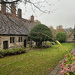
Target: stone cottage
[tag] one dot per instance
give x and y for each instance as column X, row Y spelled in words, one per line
column 14, row 29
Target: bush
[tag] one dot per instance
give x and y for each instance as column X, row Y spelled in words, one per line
column 61, row 36
column 13, row 51
column 40, row 33
column 2, row 53
column 48, row 44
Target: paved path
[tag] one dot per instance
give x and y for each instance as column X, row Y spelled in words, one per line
column 57, row 69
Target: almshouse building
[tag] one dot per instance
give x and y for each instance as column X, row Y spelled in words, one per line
column 14, row 29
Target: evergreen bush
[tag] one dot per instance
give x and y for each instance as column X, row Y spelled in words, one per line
column 40, row 33
column 61, row 36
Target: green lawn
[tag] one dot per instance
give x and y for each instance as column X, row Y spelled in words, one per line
column 35, row 62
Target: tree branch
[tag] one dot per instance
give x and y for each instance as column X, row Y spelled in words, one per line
column 38, row 7
column 8, row 2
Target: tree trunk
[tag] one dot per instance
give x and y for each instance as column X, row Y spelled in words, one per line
column 38, row 43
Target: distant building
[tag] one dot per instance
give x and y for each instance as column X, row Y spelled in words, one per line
column 70, row 37
column 68, row 30
column 14, row 29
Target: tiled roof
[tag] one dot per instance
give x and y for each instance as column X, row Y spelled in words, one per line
column 14, row 26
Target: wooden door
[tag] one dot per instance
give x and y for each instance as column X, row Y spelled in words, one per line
column 24, row 43
column 5, row 44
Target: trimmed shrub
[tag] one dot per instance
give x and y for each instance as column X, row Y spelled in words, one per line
column 40, row 33
column 2, row 52
column 13, row 51
column 61, row 36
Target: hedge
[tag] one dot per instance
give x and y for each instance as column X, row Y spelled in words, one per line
column 13, row 51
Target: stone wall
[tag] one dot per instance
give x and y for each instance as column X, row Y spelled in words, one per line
column 12, row 45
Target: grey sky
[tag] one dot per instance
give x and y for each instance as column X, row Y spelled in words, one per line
column 64, row 14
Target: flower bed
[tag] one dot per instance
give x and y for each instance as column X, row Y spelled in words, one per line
column 68, row 65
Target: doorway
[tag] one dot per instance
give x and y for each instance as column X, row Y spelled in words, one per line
column 24, row 43
column 5, row 44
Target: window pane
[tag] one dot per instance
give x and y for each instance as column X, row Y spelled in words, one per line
column 13, row 39
column 10, row 39
column 21, row 39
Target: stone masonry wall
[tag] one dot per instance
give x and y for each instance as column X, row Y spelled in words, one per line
column 12, row 45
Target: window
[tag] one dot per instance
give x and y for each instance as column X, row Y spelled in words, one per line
column 0, row 40
column 12, row 39
column 20, row 39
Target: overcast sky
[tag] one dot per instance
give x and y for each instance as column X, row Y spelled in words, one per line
column 64, row 14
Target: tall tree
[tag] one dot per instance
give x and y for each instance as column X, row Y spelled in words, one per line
column 53, row 30
column 60, row 29
column 40, row 33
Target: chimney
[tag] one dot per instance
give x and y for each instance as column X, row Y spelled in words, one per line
column 32, row 18
column 19, row 13
column 13, row 10
column 3, row 8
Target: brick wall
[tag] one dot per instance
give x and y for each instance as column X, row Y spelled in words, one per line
column 32, row 18
column 13, row 10
column 3, row 8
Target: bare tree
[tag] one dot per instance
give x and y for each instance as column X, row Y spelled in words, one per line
column 60, row 29
column 39, row 4
column 53, row 30
column 37, row 22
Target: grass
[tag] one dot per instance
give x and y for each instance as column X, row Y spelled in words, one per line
column 35, row 62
